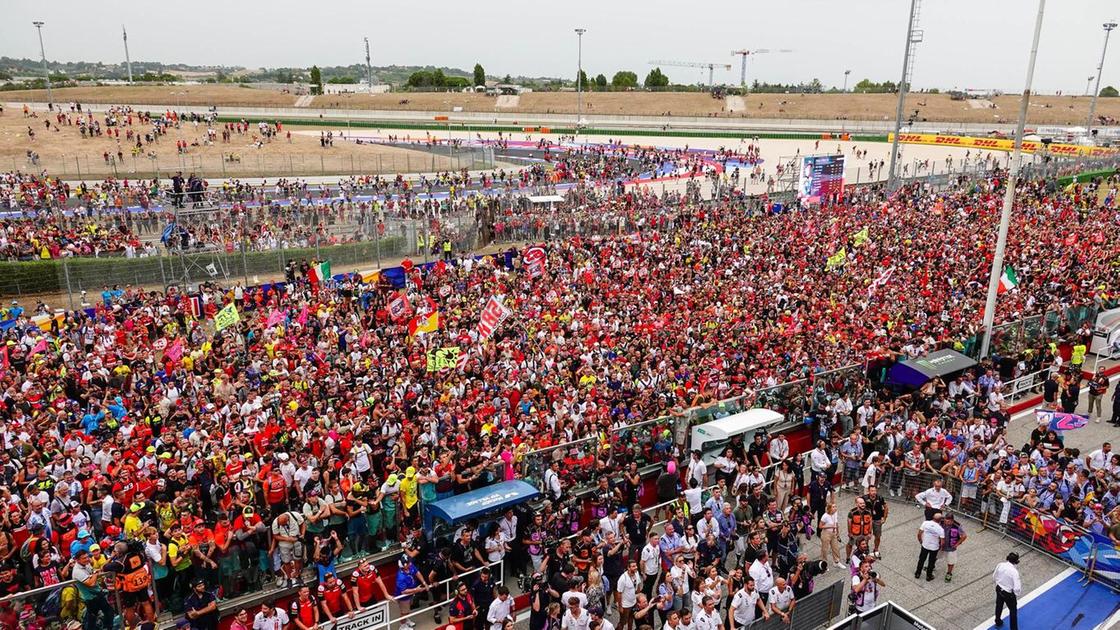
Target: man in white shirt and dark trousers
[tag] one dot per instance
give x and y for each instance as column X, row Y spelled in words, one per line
column 930, row 535
column 934, row 499
column 500, row 609
column 1008, row 586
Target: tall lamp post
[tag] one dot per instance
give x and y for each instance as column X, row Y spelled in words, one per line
column 42, row 53
column 846, row 73
column 1089, row 85
column 1108, row 26
column 1009, row 194
column 579, row 79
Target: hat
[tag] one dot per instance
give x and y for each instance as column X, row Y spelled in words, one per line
column 410, row 472
column 83, row 533
column 197, row 582
column 1013, row 558
column 75, row 504
column 392, row 480
column 151, row 449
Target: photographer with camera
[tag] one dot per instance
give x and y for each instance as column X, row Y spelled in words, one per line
column 866, row 586
column 802, row 573
column 541, row 598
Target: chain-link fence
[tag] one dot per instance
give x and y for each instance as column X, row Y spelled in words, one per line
column 252, row 162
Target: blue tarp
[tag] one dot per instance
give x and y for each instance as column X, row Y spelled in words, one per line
column 488, row 500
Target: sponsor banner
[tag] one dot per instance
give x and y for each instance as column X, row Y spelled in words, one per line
column 376, row 616
column 1002, row 144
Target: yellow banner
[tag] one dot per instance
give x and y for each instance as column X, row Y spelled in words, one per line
column 226, row 317
column 442, row 359
column 1001, row 144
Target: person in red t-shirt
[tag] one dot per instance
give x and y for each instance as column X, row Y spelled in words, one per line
column 304, row 611
column 363, row 582
column 335, row 598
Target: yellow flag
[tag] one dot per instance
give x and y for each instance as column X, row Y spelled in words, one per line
column 226, row 317
column 836, row 259
column 861, row 237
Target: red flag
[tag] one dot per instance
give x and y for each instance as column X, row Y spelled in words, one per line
column 491, row 318
column 1071, row 240
column 39, row 347
column 399, row 306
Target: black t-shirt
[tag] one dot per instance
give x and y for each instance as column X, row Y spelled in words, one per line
column 463, row 555
column 195, row 601
column 636, row 529
column 755, row 453
column 878, row 506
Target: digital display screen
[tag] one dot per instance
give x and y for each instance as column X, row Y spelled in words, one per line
column 821, row 177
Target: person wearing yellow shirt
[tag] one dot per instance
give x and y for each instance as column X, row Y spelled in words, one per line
column 133, row 526
column 410, row 494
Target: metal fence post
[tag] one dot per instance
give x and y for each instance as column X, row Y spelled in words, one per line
column 69, row 290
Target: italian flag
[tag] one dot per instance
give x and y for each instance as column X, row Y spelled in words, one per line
column 319, row 272
column 1008, row 280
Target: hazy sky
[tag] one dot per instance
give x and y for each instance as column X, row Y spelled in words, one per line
column 968, row 43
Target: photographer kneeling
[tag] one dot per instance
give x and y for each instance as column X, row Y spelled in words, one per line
column 866, row 586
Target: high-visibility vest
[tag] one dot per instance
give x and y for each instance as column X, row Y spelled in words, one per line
column 859, row 524
column 135, row 577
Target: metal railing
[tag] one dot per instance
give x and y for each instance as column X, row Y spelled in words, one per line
column 46, row 606
column 1092, row 553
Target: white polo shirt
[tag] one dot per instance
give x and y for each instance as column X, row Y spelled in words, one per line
column 781, row 599
column 745, row 606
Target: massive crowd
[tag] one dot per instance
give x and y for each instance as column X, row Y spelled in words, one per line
column 311, row 431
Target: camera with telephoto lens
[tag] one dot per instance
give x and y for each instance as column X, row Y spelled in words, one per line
column 530, row 582
column 816, row 567
column 874, row 575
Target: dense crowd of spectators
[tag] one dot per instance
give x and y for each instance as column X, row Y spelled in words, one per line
column 311, row 431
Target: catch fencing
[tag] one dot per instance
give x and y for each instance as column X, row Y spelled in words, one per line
column 246, row 162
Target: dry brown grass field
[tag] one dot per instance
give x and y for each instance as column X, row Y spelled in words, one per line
column 66, row 153
column 1045, row 110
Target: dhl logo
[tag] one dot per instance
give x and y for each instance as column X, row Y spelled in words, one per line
column 1002, row 144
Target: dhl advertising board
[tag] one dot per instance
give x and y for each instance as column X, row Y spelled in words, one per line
column 1002, row 144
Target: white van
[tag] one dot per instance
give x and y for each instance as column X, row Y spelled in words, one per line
column 710, row 438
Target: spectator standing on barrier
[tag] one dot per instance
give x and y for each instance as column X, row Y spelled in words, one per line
column 954, row 538
column 930, row 537
column 934, row 499
column 1008, row 588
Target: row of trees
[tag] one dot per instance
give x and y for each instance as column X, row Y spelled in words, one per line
column 623, row 79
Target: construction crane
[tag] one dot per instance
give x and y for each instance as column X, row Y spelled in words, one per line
column 694, row 64
column 743, row 53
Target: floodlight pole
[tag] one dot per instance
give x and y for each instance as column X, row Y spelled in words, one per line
column 1108, row 26
column 43, row 54
column 127, row 59
column 892, row 177
column 1009, row 194
column 369, row 68
column 579, row 79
